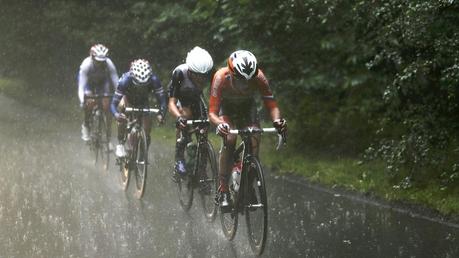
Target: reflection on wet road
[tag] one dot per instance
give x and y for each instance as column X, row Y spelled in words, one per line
column 56, row 203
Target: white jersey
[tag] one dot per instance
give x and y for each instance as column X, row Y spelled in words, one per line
column 91, row 76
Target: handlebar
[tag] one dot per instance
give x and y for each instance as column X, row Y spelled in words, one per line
column 282, row 138
column 197, row 121
column 97, row 96
column 141, row 110
column 252, row 130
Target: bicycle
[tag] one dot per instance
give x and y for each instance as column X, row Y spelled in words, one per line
column 136, row 160
column 249, row 198
column 100, row 127
column 201, row 165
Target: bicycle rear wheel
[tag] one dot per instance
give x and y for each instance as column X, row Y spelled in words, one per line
column 208, row 180
column 256, row 206
column 185, row 184
column 141, row 163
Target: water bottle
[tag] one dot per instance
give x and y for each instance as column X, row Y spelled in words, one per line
column 236, row 175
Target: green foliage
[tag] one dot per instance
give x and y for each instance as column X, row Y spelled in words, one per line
column 414, row 46
column 347, row 74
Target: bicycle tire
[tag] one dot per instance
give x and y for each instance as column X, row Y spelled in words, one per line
column 208, row 180
column 104, row 149
column 256, row 217
column 95, row 138
column 229, row 220
column 185, row 184
column 141, row 163
column 124, row 173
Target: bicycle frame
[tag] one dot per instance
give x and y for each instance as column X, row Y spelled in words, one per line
column 137, row 141
column 200, row 176
column 97, row 120
column 250, row 203
column 200, row 132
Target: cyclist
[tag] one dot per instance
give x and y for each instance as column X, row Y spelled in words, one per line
column 185, row 98
column 232, row 105
column 97, row 72
column 133, row 90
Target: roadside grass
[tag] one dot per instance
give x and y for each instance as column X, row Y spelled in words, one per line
column 352, row 174
column 13, row 88
column 368, row 177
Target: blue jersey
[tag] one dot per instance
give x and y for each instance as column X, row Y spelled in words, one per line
column 137, row 95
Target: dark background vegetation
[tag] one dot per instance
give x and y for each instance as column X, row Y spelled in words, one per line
column 375, row 79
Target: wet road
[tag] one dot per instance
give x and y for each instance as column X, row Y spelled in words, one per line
column 55, row 203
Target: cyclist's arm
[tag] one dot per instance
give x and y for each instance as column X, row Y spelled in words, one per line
column 115, row 102
column 112, row 73
column 173, row 88
column 215, row 98
column 119, row 93
column 267, row 95
column 160, row 95
column 173, row 107
column 82, row 79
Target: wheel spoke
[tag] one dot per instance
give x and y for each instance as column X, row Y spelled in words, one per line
column 256, row 210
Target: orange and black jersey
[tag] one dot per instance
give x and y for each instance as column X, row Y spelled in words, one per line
column 230, row 94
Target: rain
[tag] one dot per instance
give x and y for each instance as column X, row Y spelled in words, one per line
column 57, row 203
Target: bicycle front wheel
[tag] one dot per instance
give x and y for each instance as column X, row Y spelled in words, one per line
column 104, row 149
column 95, row 136
column 141, row 163
column 185, row 183
column 124, row 173
column 256, row 206
column 208, row 180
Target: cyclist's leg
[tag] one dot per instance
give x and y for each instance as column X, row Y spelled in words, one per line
column 146, row 121
column 182, row 137
column 181, row 140
column 252, row 119
column 108, row 115
column 226, row 158
column 122, row 125
column 224, row 170
column 88, row 105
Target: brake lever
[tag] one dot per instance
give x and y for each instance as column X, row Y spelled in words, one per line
column 281, row 140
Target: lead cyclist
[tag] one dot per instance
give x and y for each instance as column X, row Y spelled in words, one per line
column 233, row 106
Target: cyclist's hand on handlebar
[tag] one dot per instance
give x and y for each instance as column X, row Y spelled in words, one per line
column 181, row 123
column 280, row 125
column 223, row 129
column 120, row 117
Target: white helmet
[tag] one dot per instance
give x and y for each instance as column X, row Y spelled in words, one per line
column 99, row 52
column 141, row 71
column 243, row 63
column 199, row 60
